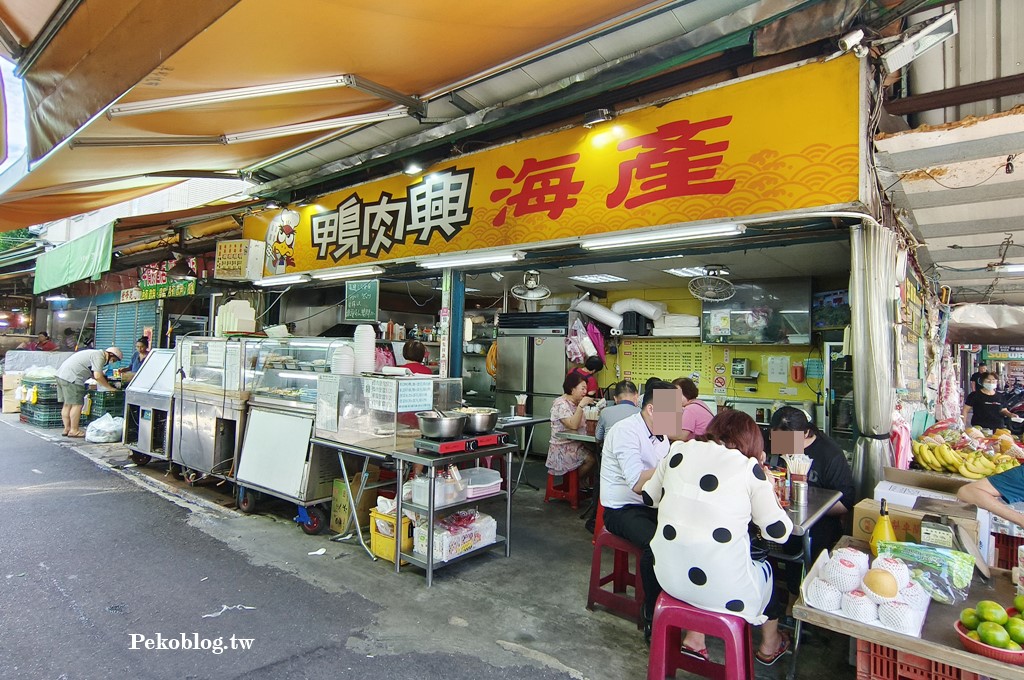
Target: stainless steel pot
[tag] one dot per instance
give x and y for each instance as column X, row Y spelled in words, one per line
column 434, row 426
column 481, row 420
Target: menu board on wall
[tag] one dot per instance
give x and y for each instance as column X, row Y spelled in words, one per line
column 668, row 358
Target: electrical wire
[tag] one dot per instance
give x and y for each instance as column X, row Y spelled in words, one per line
column 408, row 289
column 271, row 305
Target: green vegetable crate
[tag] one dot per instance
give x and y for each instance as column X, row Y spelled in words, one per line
column 43, row 415
column 46, row 390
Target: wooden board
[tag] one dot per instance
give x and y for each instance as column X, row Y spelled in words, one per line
column 938, row 640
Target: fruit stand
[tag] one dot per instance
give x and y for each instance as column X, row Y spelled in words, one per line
column 939, row 653
column 972, row 453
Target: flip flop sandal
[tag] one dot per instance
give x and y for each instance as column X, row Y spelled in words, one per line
column 698, row 654
column 80, row 435
column 783, row 648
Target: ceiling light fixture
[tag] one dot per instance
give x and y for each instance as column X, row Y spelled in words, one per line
column 412, row 169
column 472, row 260
column 689, row 233
column 592, row 118
column 1007, row 268
column 181, row 270
column 222, row 96
column 285, row 280
column 354, row 273
column 598, row 278
column 59, row 297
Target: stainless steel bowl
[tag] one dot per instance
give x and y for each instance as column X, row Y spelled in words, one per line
column 432, row 425
column 482, row 420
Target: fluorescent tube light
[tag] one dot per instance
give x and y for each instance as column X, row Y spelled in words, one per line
column 472, row 260
column 57, row 298
column 312, row 126
column 685, row 272
column 347, row 273
column 285, row 280
column 689, row 233
column 221, row 96
column 598, row 278
column 1001, row 268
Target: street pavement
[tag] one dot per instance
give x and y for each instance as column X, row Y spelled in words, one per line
column 101, row 578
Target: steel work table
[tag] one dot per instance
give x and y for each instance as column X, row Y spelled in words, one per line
column 431, row 462
column 529, row 422
column 938, row 641
column 819, row 502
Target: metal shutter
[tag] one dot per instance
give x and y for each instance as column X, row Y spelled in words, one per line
column 106, row 316
column 122, row 324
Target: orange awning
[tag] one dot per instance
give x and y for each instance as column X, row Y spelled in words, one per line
column 154, row 49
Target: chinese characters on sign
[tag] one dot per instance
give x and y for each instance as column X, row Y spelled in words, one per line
column 673, row 161
column 438, row 204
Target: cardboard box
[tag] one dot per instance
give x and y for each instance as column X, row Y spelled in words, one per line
column 925, row 479
column 907, row 496
column 11, row 380
column 10, row 402
column 907, row 521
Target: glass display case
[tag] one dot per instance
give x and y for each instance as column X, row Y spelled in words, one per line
column 840, row 423
column 379, row 412
column 213, row 366
column 283, row 371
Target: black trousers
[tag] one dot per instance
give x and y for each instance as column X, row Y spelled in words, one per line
column 638, row 524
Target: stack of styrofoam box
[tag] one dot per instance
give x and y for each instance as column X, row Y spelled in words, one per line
column 677, row 325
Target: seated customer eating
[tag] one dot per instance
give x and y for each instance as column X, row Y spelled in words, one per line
column 566, row 455
column 706, row 494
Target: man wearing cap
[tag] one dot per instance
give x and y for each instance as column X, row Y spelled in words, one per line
column 71, row 377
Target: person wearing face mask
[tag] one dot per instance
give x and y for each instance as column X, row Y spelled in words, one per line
column 986, row 408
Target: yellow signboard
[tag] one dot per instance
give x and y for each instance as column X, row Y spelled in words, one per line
column 783, row 141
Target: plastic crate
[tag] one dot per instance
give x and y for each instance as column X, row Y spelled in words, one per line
column 381, row 544
column 108, row 400
column 877, row 662
column 44, row 415
column 46, row 390
column 1006, row 550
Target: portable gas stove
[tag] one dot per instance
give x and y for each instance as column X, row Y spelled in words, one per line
column 461, row 444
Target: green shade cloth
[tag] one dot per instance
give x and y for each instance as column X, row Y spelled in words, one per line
column 82, row 258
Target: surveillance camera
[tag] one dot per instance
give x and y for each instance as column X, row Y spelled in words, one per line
column 851, row 40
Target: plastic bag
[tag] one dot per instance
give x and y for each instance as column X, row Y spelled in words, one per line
column 105, row 430
column 594, row 333
column 575, row 349
column 944, row 574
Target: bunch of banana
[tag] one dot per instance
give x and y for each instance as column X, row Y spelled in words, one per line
column 1004, row 462
column 970, row 464
column 929, row 457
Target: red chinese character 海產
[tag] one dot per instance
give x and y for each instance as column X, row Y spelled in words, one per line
column 547, row 186
column 672, row 164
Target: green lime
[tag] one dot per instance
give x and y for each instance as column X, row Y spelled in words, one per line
column 1013, row 646
column 1015, row 627
column 993, row 634
column 969, row 618
column 1018, row 603
column 974, row 635
column 991, row 611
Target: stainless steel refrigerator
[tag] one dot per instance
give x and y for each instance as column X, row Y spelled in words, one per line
column 531, row 360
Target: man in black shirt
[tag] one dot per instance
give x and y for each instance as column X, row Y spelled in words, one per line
column 976, row 376
column 829, row 470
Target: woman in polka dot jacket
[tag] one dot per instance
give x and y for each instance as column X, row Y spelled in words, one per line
column 707, row 493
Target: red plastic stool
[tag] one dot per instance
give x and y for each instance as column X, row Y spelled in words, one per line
column 672, row 617
column 568, row 490
column 598, row 522
column 616, row 600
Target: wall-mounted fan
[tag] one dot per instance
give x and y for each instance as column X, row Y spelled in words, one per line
column 530, row 289
column 711, row 287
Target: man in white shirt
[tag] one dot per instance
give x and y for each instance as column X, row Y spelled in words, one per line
column 71, row 377
column 632, row 450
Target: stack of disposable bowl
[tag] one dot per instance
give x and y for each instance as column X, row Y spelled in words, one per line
column 365, row 349
column 344, row 361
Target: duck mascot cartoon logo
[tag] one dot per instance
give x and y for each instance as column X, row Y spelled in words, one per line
column 281, row 242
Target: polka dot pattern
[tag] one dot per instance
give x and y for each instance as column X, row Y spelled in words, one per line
column 669, row 532
column 722, row 535
column 759, row 473
column 734, row 605
column 675, row 460
column 708, row 483
column 776, row 529
column 648, row 501
column 697, row 576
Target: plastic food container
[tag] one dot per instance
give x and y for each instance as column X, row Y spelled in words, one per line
column 481, row 482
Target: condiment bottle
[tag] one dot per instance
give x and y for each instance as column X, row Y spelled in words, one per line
column 883, row 530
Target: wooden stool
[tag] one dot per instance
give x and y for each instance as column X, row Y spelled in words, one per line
column 672, row 617
column 568, row 490
column 616, row 600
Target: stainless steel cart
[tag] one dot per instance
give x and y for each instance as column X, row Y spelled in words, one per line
column 149, row 408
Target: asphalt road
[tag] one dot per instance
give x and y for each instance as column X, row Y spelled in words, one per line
column 94, row 568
